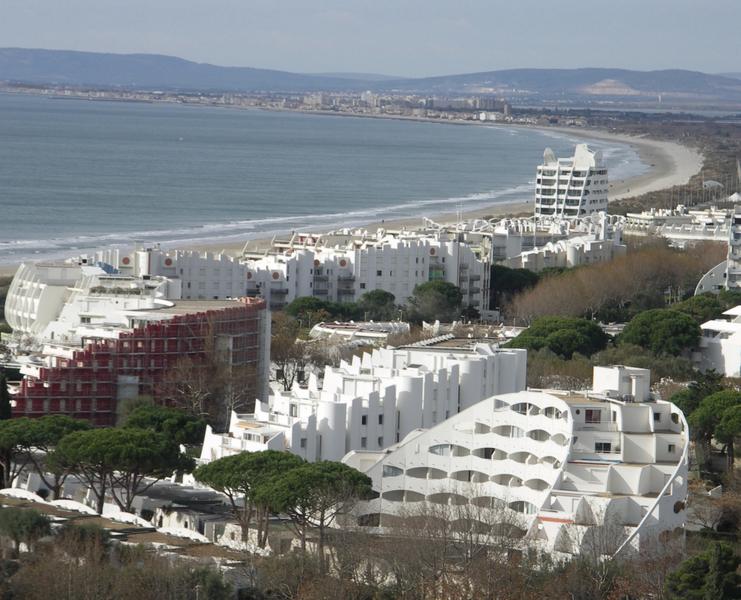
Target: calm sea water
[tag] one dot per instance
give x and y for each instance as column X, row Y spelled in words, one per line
column 76, row 175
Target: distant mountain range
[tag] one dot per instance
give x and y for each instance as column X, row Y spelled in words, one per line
column 158, row 72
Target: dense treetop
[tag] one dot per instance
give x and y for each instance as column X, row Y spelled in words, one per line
column 564, row 336
column 663, row 331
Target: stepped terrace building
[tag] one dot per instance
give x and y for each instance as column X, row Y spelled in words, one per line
column 600, row 471
column 86, row 339
column 375, row 401
column 571, row 187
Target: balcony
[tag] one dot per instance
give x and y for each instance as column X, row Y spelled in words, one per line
column 321, row 291
column 321, row 277
column 346, row 278
column 278, row 291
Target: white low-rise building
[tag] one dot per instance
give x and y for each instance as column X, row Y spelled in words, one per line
column 375, row 401
column 593, row 471
column 720, row 345
column 359, row 333
column 570, row 252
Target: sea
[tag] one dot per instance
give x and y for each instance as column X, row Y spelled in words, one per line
column 76, row 175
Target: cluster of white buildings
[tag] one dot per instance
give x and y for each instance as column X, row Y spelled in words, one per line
column 596, row 471
column 450, row 430
column 681, row 226
column 342, row 266
column 375, row 401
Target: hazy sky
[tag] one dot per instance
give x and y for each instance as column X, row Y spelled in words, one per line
column 397, row 37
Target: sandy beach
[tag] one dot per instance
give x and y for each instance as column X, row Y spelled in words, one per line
column 670, row 164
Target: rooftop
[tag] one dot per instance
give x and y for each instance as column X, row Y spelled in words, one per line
column 186, row 307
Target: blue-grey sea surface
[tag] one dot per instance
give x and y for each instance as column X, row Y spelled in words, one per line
column 77, row 174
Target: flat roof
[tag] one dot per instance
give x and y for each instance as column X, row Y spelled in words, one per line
column 724, row 326
column 185, row 307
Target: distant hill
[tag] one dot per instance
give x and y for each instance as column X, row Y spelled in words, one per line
column 148, row 71
column 732, row 75
column 361, row 76
column 589, row 82
column 152, row 71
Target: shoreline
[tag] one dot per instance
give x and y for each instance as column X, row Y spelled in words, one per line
column 669, row 163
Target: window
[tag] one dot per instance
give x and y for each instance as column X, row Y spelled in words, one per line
column 362, row 286
column 671, row 448
column 602, row 447
column 379, row 273
column 389, row 471
column 363, row 442
column 84, row 319
column 380, row 419
column 364, row 420
column 657, row 417
column 303, row 442
column 294, row 410
column 380, row 442
column 592, row 415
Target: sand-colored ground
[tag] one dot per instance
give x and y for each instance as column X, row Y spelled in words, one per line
column 670, row 164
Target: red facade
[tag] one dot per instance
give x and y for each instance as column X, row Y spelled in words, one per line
column 85, row 386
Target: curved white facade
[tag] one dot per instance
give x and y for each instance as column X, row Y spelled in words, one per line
column 563, row 470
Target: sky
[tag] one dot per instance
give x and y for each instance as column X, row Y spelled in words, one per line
column 411, row 38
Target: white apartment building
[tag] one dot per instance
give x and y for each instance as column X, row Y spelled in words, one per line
column 375, row 401
column 86, row 339
column 720, row 345
column 727, row 274
column 571, row 187
column 597, row 471
column 343, row 266
column 201, row 275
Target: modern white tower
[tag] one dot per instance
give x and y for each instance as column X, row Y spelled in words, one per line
column 571, row 187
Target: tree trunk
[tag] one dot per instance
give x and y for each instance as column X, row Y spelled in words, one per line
column 321, row 543
column 731, row 456
column 263, row 537
column 245, row 522
column 6, row 472
column 100, row 497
